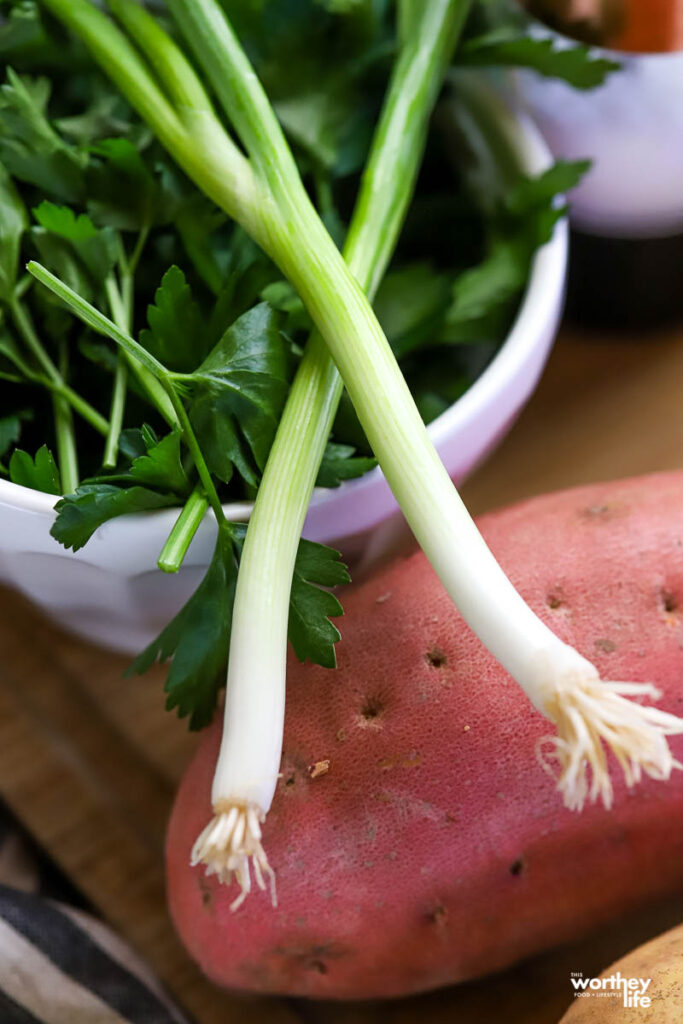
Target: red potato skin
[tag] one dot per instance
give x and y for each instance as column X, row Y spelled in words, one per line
column 435, row 848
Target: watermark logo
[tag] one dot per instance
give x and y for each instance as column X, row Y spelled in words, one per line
column 633, row 991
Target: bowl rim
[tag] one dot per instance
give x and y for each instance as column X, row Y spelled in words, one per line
column 546, row 279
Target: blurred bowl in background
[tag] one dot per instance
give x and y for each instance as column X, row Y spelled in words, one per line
column 631, row 127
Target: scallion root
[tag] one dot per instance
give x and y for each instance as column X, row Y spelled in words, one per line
column 593, row 717
column 230, row 846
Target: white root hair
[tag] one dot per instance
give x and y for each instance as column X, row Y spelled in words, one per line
column 230, row 846
column 593, row 717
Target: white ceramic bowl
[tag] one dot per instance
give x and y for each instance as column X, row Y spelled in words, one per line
column 111, row 592
column 631, row 127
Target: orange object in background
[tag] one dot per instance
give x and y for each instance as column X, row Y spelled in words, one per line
column 651, row 26
column 632, row 26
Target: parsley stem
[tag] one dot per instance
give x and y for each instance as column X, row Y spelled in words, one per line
column 86, row 411
column 190, row 439
column 130, row 264
column 121, row 306
column 180, row 537
column 53, row 378
column 92, row 317
column 22, row 286
column 162, row 378
column 323, row 193
column 67, row 456
column 152, row 387
column 116, row 412
column 149, row 371
column 121, row 313
column 24, row 325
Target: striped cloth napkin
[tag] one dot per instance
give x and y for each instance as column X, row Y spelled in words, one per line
column 60, row 965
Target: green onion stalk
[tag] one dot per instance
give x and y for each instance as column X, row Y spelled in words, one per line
column 263, row 191
column 258, row 643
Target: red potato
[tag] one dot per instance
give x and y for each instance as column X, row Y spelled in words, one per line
column 417, row 840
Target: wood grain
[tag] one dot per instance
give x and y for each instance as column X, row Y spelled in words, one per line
column 76, row 768
column 604, row 410
column 89, row 761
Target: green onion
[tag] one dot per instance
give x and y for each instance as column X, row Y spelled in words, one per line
column 257, row 662
column 264, row 193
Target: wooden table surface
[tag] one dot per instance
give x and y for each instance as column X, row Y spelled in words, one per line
column 89, row 761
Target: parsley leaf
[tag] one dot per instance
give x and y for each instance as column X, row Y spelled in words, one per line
column 338, row 464
column 483, row 289
column 311, row 633
column 133, row 443
column 40, row 473
column 77, row 250
column 21, row 29
column 248, row 276
column 105, row 115
column 30, row 148
column 161, row 465
column 238, row 393
column 197, row 640
column 330, row 123
column 122, row 190
column 410, row 305
column 283, row 296
column 156, row 479
column 64, row 222
column 528, row 195
column 525, row 219
column 576, row 65
column 10, row 431
column 176, row 330
column 81, row 513
column 197, row 222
